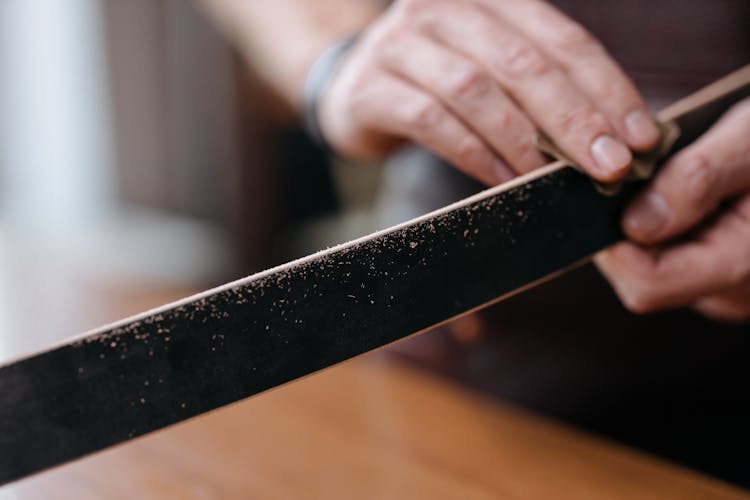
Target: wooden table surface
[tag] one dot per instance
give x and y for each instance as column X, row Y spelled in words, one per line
column 370, row 428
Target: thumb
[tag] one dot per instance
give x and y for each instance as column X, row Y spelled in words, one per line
column 693, row 183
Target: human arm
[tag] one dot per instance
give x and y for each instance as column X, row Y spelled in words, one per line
column 472, row 80
column 281, row 39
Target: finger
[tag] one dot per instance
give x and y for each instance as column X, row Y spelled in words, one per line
column 694, row 182
column 394, row 107
column 541, row 88
column 466, row 89
column 651, row 279
column 732, row 306
column 588, row 65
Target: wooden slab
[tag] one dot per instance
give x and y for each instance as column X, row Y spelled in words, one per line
column 167, row 365
column 367, row 429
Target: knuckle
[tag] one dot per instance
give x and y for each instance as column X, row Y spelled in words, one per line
column 354, row 100
column 736, row 270
column 637, row 295
column 519, row 59
column 700, row 177
column 469, row 81
column 424, row 114
column 470, row 149
column 526, row 152
column 638, row 301
column 472, row 153
column 359, row 90
column 582, row 121
column 383, row 48
column 737, row 274
column 504, row 120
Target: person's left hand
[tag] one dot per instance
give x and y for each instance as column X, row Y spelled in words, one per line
column 689, row 230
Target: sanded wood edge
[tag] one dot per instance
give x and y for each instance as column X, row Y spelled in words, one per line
column 725, row 85
column 478, row 197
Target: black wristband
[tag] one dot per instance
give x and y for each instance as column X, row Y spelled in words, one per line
column 317, row 79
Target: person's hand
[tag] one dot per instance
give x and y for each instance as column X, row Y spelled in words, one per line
column 690, row 229
column 473, row 80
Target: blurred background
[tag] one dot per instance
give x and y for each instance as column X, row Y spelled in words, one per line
column 141, row 160
column 136, row 150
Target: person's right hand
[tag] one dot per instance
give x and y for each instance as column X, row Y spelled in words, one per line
column 473, row 80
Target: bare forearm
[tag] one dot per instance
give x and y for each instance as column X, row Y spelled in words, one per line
column 282, row 38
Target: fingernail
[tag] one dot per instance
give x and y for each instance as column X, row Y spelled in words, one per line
column 610, row 155
column 641, row 129
column 647, row 215
column 501, row 171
